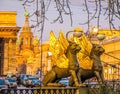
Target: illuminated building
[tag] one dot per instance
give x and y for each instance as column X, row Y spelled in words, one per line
column 17, row 53
column 27, row 50
column 8, row 37
column 23, row 52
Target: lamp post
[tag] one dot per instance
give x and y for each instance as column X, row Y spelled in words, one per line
column 95, row 33
column 101, row 37
column 77, row 32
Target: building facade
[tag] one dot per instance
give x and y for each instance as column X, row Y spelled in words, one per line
column 17, row 53
column 8, row 37
column 20, row 54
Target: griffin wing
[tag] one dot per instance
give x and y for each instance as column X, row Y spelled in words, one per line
column 58, row 48
column 83, row 55
column 63, row 41
column 52, row 48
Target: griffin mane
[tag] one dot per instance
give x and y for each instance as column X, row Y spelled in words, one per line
column 97, row 50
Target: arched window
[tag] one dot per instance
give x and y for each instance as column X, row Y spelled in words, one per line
column 26, row 40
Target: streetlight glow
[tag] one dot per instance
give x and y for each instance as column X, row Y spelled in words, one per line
column 95, row 30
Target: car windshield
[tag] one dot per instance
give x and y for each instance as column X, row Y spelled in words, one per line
column 11, row 79
column 23, row 76
column 2, row 82
column 32, row 78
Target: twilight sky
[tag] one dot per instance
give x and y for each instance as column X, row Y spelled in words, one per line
column 79, row 16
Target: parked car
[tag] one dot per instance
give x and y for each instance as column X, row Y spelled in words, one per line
column 2, row 84
column 32, row 82
column 64, row 81
column 26, row 82
column 11, row 82
column 23, row 77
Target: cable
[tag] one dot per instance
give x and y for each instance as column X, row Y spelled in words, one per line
column 112, row 65
column 112, row 56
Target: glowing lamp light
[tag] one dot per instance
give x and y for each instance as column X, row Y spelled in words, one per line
column 49, row 54
column 95, row 30
column 101, row 36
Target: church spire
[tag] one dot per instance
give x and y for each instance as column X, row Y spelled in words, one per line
column 26, row 34
column 26, row 27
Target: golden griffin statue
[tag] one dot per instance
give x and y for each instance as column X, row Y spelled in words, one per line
column 59, row 46
column 74, row 58
column 64, row 59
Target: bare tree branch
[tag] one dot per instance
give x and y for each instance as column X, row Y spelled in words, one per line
column 107, row 8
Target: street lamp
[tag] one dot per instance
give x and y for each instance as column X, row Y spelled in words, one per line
column 101, row 37
column 94, row 30
column 95, row 33
column 77, row 32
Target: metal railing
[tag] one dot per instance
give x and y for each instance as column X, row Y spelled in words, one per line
column 41, row 90
column 90, row 89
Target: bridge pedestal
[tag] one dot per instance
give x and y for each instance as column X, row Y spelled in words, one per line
column 82, row 90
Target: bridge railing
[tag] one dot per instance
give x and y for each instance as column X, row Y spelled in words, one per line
column 41, row 90
column 90, row 89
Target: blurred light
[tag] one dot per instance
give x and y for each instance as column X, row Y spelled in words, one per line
column 95, row 30
column 49, row 54
column 106, row 71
